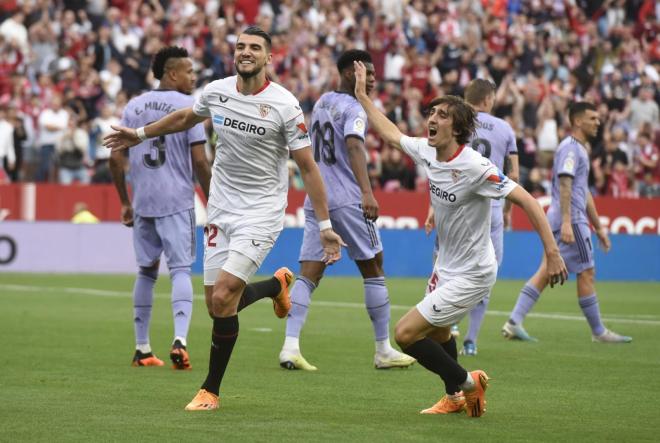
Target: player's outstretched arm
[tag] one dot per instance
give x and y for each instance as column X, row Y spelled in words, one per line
column 601, row 233
column 124, row 138
column 315, row 188
column 381, row 124
column 557, row 272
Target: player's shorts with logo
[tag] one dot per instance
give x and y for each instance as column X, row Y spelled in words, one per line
column 452, row 298
column 578, row 256
column 235, row 245
column 359, row 233
column 172, row 234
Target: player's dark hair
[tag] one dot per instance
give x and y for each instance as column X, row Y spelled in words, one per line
column 347, row 58
column 256, row 30
column 162, row 56
column 478, row 90
column 576, row 109
column 463, row 116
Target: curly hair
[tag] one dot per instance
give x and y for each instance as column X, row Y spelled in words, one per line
column 347, row 58
column 162, row 56
column 463, row 116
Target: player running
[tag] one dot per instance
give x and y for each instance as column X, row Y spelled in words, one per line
column 258, row 123
column 339, row 126
column 462, row 182
column 494, row 139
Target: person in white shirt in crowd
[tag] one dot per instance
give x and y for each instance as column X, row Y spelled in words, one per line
column 52, row 123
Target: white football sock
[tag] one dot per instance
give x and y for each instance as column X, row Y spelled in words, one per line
column 144, row 348
column 291, row 344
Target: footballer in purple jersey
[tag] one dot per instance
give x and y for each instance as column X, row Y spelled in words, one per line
column 571, row 209
column 338, row 130
column 162, row 208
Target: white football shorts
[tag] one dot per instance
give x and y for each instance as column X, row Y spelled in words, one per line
column 235, row 246
column 454, row 297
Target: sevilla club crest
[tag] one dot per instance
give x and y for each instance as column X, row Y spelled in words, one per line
column 264, row 110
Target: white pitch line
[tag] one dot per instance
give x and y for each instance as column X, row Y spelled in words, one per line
column 626, row 319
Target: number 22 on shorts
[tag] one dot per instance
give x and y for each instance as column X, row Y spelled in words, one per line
column 210, row 233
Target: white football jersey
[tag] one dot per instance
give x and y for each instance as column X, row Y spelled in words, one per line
column 255, row 134
column 461, row 192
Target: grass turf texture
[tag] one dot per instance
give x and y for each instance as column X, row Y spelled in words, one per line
column 67, row 374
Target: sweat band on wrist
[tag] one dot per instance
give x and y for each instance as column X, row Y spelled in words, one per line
column 141, row 134
column 325, row 224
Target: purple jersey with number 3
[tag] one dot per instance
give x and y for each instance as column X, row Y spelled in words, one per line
column 336, row 116
column 161, row 173
column 571, row 159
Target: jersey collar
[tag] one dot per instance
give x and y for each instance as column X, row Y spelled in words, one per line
column 456, row 154
column 265, row 85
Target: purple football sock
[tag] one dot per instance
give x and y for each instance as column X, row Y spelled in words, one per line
column 527, row 298
column 301, row 296
column 182, row 301
column 377, row 302
column 591, row 311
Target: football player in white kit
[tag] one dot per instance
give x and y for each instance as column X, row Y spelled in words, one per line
column 461, row 183
column 258, row 123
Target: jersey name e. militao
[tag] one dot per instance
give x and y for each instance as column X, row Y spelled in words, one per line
column 336, row 116
column 461, row 189
column 161, row 173
column 255, row 134
column 494, row 139
column 571, row 159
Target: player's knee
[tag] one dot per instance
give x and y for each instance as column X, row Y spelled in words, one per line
column 403, row 335
column 312, row 277
column 149, row 271
column 224, row 299
column 585, row 281
column 371, row 268
column 442, row 335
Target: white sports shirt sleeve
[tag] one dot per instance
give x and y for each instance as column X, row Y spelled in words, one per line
column 491, row 182
column 295, row 130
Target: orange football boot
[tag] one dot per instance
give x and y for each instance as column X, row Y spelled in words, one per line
column 475, row 400
column 448, row 404
column 282, row 302
column 203, row 401
column 149, row 359
column 179, row 357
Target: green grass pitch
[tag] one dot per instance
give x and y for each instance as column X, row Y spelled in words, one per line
column 68, row 342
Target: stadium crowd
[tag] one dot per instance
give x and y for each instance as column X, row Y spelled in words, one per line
column 68, row 67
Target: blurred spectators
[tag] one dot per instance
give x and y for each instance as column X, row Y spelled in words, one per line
column 542, row 54
column 7, row 153
column 72, row 149
column 53, row 121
